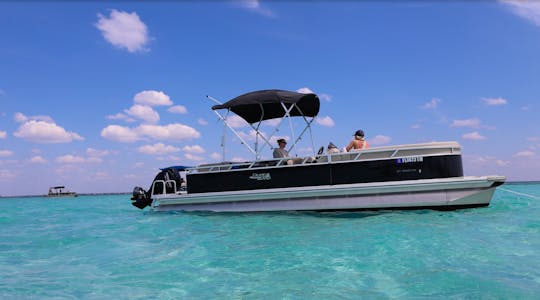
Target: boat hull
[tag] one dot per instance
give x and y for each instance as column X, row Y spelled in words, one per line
column 446, row 193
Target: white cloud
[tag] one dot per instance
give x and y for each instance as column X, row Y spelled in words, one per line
column 120, row 116
column 177, row 109
column 124, row 30
column 37, row 160
column 305, row 90
column 193, row 157
column 70, row 159
column 526, row 153
column 472, row 123
column 202, row 121
column 529, row 10
column 416, row 126
column 3, row 134
column 96, row 153
column 21, row 118
column 325, row 97
column 45, row 132
column 380, row 140
column 152, row 98
column 174, row 132
column 325, row 121
column 473, row 136
column 143, row 112
column 487, row 160
column 255, row 6
column 494, row 101
column 119, row 134
column 215, row 156
column 157, row 149
column 6, row 153
column 194, row 149
column 236, row 121
column 432, row 104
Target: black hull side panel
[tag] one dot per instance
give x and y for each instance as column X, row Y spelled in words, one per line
column 327, row 174
column 396, row 170
column 278, row 177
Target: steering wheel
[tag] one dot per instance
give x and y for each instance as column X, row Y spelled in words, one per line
column 321, row 150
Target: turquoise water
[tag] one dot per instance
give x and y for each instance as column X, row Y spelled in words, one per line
column 97, row 247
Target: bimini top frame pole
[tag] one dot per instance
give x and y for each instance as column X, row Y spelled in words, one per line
column 258, row 106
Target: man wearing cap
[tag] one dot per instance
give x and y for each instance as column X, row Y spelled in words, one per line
column 281, row 152
column 331, row 149
column 358, row 143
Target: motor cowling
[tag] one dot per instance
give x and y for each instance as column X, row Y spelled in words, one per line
column 140, row 198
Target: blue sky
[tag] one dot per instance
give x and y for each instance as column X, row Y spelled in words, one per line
column 98, row 96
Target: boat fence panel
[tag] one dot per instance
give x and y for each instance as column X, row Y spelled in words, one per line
column 378, row 153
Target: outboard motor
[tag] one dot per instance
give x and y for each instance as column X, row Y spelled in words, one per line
column 140, row 198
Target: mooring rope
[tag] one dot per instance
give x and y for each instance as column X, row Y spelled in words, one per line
column 518, row 193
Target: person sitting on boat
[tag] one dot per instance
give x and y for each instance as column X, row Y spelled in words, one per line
column 332, row 149
column 281, row 152
column 358, row 143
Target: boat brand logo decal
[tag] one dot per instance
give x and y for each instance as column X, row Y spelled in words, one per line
column 260, row 176
column 411, row 159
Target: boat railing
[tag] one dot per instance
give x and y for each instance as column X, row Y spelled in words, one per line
column 389, row 152
column 162, row 187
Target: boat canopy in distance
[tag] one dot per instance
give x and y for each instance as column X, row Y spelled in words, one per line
column 267, row 104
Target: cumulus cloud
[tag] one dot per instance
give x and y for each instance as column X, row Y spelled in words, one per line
column 380, row 140
column 157, row 149
column 152, row 98
column 37, row 160
column 120, row 116
column 472, row 123
column 473, row 136
column 194, row 149
column 143, row 112
column 487, row 160
column 215, row 156
column 124, row 30
column 494, row 101
column 96, row 153
column 177, row 109
column 6, row 153
column 3, row 134
column 305, row 90
column 432, row 104
column 21, row 118
column 255, row 6
column 325, row 97
column 193, row 157
column 325, row 121
column 45, row 132
column 119, row 134
column 529, row 10
column 236, row 121
column 176, row 132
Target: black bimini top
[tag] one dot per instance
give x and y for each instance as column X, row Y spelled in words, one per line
column 266, row 104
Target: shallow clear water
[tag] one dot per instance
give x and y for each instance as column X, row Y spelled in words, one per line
column 95, row 247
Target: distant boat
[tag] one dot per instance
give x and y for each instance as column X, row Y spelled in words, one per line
column 58, row 191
